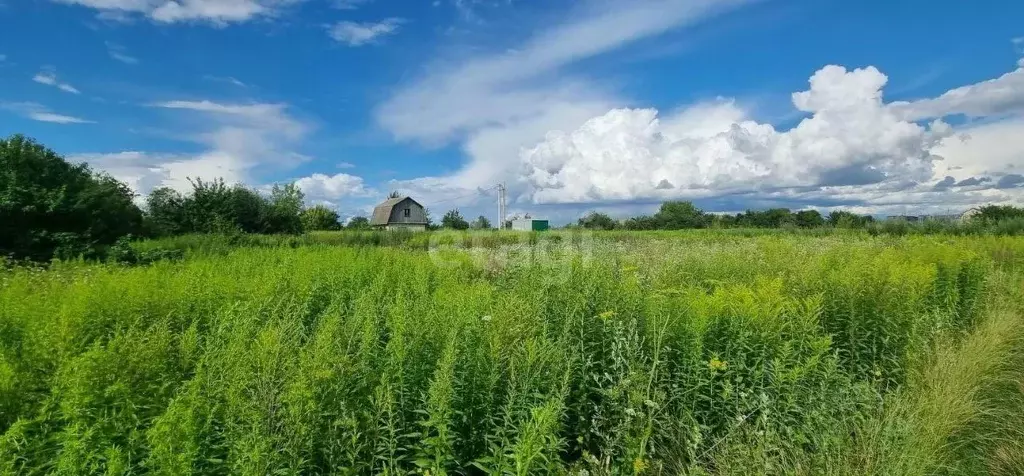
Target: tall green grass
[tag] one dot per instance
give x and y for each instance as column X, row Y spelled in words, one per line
column 625, row 354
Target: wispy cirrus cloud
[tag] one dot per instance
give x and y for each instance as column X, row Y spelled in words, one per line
column 359, row 34
column 997, row 96
column 38, row 112
column 226, row 79
column 49, row 78
column 238, row 142
column 120, row 53
column 216, row 12
column 349, row 4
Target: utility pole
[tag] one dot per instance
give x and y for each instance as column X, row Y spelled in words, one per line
column 501, row 205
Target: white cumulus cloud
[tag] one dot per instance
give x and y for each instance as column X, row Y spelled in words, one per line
column 329, row 188
column 577, row 147
column 359, row 34
column 851, row 138
column 496, row 103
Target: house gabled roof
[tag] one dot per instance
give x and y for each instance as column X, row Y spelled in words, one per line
column 382, row 212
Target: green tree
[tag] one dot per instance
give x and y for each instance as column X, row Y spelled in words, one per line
column 680, row 215
column 51, row 207
column 165, row 212
column 999, row 213
column 430, row 221
column 845, row 219
column 597, row 221
column 247, row 209
column 208, row 209
column 215, row 207
column 320, row 217
column 358, row 223
column 808, row 219
column 481, row 223
column 642, row 222
column 453, row 219
column 284, row 210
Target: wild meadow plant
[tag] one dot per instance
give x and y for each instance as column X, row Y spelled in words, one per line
column 619, row 353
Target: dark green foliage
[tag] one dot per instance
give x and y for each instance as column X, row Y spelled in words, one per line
column 283, row 214
column 845, row 219
column 320, row 218
column 49, row 207
column 481, row 223
column 358, row 223
column 597, row 221
column 680, row 215
column 215, row 207
column 640, row 223
column 453, row 220
column 123, row 252
column 997, row 213
column 809, row 219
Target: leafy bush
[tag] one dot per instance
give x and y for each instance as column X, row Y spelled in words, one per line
column 215, row 207
column 49, row 207
column 454, row 220
column 122, row 252
column 597, row 221
column 320, row 218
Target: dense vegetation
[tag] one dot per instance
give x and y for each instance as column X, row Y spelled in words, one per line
column 214, row 207
column 49, row 207
column 610, row 353
column 674, row 215
column 52, row 208
column 242, row 341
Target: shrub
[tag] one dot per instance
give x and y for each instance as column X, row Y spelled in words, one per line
column 49, row 207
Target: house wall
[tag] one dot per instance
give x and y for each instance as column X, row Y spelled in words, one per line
column 406, row 226
column 530, row 225
column 416, row 213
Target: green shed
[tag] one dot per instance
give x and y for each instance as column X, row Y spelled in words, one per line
column 530, row 224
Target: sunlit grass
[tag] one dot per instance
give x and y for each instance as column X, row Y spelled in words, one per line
column 614, row 353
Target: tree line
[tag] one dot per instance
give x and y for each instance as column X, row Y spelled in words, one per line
column 678, row 215
column 52, row 208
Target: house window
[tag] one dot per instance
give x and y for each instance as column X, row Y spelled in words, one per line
column 407, row 213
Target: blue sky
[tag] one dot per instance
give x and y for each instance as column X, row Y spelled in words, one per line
column 577, row 105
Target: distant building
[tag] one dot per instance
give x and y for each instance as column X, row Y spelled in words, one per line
column 941, row 217
column 402, row 213
column 529, row 224
column 903, row 217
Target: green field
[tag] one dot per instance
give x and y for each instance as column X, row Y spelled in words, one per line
column 704, row 352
